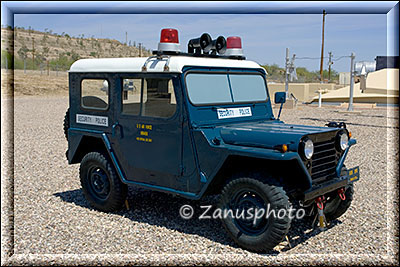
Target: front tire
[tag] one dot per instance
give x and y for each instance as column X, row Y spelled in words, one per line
column 101, row 186
column 265, row 233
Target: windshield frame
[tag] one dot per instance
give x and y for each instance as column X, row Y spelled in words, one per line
column 227, row 72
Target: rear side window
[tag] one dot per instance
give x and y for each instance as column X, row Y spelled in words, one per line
column 94, row 94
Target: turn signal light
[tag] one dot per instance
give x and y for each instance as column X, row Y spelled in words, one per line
column 284, row 148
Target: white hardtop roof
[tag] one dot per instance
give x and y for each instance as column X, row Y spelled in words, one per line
column 176, row 64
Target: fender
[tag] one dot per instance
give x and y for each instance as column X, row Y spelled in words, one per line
column 75, row 137
column 220, row 151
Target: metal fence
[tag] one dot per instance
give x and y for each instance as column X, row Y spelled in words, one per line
column 36, row 67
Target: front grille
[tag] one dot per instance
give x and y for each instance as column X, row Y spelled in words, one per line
column 324, row 160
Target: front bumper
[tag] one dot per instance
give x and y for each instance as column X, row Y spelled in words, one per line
column 350, row 176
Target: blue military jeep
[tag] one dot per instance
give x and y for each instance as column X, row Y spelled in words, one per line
column 200, row 123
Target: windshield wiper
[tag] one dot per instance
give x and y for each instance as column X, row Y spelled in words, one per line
column 218, row 107
column 213, row 107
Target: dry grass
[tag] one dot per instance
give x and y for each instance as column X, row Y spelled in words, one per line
column 34, row 83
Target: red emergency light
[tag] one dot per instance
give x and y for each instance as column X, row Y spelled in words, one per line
column 169, row 36
column 234, row 46
column 234, row 42
column 169, row 40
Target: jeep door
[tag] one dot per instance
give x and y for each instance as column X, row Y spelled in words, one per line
column 147, row 131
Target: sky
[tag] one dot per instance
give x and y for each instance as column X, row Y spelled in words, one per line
column 265, row 37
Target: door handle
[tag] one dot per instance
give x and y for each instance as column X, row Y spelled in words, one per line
column 115, row 125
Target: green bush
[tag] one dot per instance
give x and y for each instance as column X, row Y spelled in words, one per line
column 276, row 73
column 6, row 58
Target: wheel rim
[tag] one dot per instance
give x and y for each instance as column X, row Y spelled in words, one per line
column 99, row 182
column 243, row 200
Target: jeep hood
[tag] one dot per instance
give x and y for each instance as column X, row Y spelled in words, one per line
column 268, row 134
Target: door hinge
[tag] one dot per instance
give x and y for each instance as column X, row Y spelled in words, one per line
column 182, row 168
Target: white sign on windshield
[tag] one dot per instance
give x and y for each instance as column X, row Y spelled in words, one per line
column 224, row 113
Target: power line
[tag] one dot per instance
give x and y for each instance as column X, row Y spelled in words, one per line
column 339, row 58
column 310, row 57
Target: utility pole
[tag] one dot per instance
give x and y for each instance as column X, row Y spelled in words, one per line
column 140, row 49
column 322, row 48
column 287, row 73
column 329, row 65
column 126, row 38
column 350, row 107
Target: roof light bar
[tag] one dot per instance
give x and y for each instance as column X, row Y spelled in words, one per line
column 202, row 46
column 234, row 46
column 169, row 40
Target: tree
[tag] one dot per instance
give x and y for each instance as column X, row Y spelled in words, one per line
column 23, row 52
column 46, row 51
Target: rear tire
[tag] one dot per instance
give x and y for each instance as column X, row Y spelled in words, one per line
column 66, row 124
column 101, row 186
column 244, row 193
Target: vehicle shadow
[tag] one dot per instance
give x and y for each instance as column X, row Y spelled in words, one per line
column 161, row 209
column 353, row 123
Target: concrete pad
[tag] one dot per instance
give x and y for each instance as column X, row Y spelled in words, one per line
column 359, row 105
column 349, row 112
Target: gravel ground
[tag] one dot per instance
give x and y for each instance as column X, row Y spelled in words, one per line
column 53, row 223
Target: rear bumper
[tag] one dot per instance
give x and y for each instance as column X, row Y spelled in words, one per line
column 351, row 175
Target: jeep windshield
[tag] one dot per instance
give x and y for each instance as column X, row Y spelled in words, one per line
column 225, row 88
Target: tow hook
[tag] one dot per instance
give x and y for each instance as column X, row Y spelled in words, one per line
column 320, row 205
column 341, row 194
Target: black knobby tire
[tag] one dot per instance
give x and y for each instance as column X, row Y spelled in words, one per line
column 336, row 207
column 101, row 186
column 66, row 124
column 267, row 234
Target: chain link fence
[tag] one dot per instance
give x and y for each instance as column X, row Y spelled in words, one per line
column 37, row 66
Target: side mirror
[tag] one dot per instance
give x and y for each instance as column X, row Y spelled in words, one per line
column 280, row 97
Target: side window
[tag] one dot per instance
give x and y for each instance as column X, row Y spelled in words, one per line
column 131, row 89
column 94, row 93
column 158, row 98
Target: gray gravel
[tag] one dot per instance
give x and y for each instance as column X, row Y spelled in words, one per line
column 53, row 223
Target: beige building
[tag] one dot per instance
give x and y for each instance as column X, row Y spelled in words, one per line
column 382, row 86
column 344, row 78
column 303, row 92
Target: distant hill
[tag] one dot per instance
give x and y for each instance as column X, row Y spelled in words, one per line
column 61, row 50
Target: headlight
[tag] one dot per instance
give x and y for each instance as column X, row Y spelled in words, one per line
column 308, row 148
column 343, row 141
